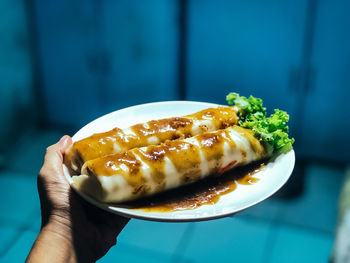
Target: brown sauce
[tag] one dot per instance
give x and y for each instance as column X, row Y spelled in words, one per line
column 205, row 192
column 183, row 155
column 101, row 144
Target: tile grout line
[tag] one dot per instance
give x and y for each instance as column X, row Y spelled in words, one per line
column 21, row 230
column 146, row 250
column 270, row 243
column 180, row 249
column 270, row 240
column 274, row 227
column 280, row 222
column 10, row 243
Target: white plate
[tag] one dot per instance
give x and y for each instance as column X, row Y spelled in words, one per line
column 271, row 178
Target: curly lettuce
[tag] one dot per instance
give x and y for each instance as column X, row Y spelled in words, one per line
column 272, row 130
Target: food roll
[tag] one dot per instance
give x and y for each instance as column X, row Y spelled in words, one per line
column 150, row 133
column 152, row 169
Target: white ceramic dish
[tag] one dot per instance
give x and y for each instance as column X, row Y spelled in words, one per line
column 271, row 178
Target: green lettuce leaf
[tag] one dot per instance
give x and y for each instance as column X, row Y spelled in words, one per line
column 272, row 130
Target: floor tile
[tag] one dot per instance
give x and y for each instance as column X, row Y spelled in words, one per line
column 19, row 197
column 298, row 245
column 119, row 253
column 126, row 253
column 8, row 235
column 228, row 240
column 267, row 210
column 20, row 249
column 317, row 207
column 155, row 236
column 326, row 178
column 30, row 150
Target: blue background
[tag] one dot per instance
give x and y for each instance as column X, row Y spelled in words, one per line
column 65, row 63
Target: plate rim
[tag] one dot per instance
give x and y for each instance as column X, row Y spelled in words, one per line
column 115, row 210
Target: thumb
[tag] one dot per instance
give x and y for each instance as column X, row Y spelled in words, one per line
column 54, row 154
column 64, row 143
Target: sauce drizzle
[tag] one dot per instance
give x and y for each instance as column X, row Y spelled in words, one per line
column 205, row 192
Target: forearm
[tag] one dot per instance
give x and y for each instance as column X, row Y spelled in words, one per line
column 51, row 247
column 55, row 243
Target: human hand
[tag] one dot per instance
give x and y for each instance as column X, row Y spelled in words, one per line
column 89, row 231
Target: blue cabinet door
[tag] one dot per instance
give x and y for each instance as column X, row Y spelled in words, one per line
column 141, row 38
column 250, row 47
column 99, row 56
column 65, row 40
column 326, row 123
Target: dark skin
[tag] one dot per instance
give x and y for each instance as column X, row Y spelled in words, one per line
column 72, row 230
